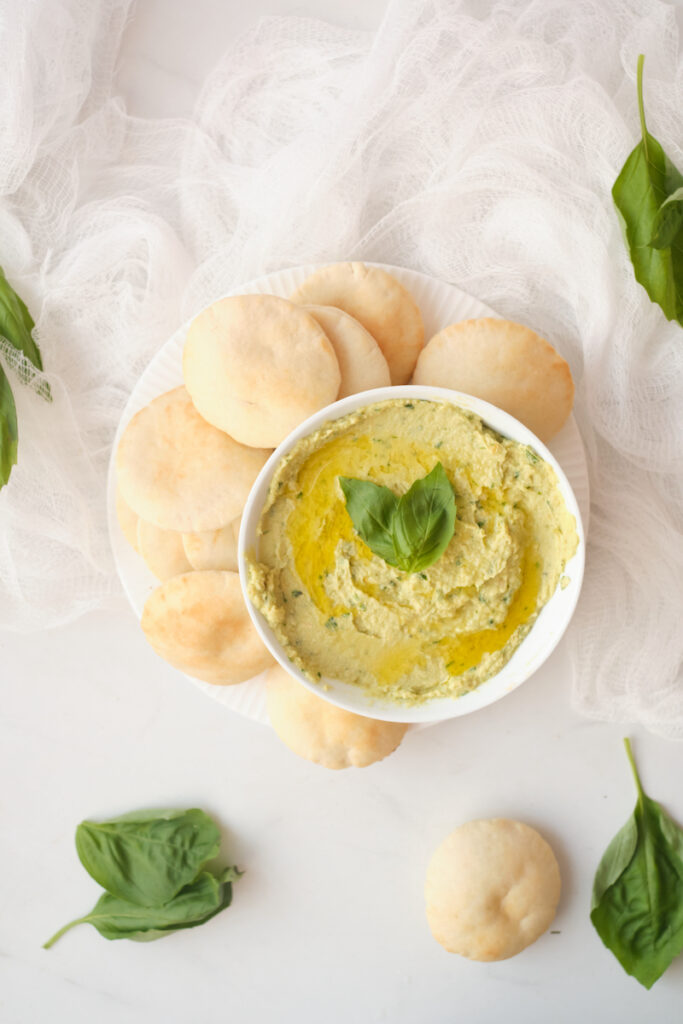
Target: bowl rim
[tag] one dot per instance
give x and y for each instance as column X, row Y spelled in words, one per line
column 353, row 698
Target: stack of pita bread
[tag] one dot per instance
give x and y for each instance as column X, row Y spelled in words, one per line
column 255, row 367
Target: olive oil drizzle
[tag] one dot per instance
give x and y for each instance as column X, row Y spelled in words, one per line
column 318, row 521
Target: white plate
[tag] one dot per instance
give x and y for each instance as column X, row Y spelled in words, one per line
column 440, row 304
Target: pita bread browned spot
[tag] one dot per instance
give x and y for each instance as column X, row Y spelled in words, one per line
column 379, row 302
column 178, row 472
column 318, row 731
column 257, row 366
column 198, row 622
column 506, row 364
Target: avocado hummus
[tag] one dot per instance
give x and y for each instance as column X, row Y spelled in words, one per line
column 342, row 612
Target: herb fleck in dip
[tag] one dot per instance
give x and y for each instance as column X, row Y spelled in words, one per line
column 343, row 612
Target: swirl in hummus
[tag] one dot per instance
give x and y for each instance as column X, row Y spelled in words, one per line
column 341, row 612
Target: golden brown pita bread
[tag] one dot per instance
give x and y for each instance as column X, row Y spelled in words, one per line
column 257, row 366
column 178, row 472
column 213, row 549
column 318, row 731
column 379, row 302
column 505, row 364
column 198, row 622
column 360, row 358
column 492, row 889
column 162, row 551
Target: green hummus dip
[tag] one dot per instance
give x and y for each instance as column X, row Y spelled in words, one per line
column 341, row 611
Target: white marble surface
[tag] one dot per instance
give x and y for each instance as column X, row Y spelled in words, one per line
column 328, row 922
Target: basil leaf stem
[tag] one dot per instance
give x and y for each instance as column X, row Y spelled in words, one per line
column 195, row 904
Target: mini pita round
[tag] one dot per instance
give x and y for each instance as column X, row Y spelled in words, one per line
column 360, row 358
column 198, row 622
column 320, row 732
column 506, row 364
column 213, row 549
column 162, row 550
column 257, row 366
column 379, row 302
column 128, row 521
column 178, row 472
column 492, row 889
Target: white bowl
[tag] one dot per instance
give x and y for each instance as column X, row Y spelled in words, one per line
column 538, row 644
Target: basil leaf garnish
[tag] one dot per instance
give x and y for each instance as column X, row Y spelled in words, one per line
column 372, row 509
column 147, row 857
column 425, row 520
column 637, row 906
column 194, row 905
column 669, row 221
column 8, row 429
column 654, row 232
column 16, row 327
column 152, row 865
column 410, row 532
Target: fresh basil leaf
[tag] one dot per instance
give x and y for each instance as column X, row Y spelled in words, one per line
column 372, row 509
column 647, row 180
column 425, row 521
column 637, row 906
column 9, row 431
column 410, row 532
column 194, row 905
column 615, row 860
column 16, row 325
column 669, row 221
column 148, row 856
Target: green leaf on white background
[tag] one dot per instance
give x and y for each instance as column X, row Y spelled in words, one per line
column 9, row 431
column 410, row 532
column 637, row 906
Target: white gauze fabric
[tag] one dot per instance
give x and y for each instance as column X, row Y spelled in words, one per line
column 475, row 141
